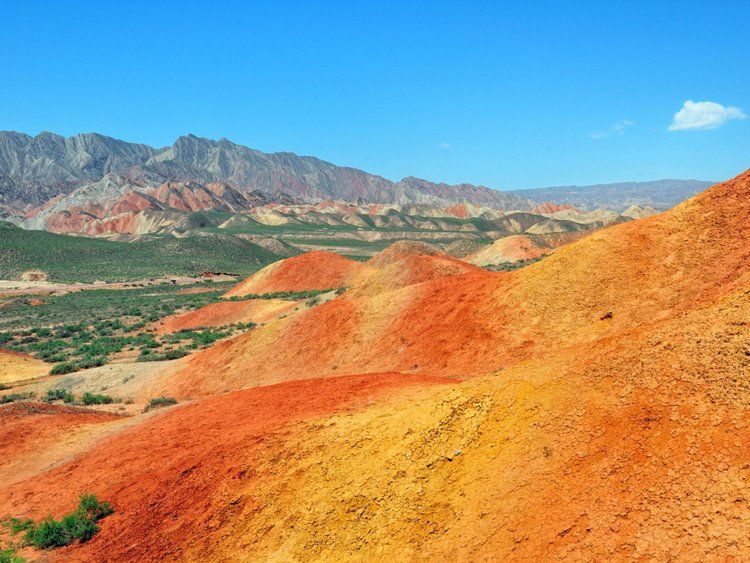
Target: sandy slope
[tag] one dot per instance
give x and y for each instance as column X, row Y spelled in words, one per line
column 16, row 367
column 508, row 250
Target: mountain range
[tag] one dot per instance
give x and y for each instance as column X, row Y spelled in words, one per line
column 35, row 169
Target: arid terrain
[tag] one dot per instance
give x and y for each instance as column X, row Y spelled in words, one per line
column 420, row 402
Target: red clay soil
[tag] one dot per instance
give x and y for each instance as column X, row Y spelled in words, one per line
column 26, row 427
column 459, row 210
column 175, row 477
column 227, row 312
column 310, row 271
column 631, row 448
column 548, row 208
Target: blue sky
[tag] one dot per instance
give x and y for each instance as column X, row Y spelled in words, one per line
column 509, row 95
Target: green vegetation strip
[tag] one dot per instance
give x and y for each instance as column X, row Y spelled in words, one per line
column 105, row 308
column 98, row 324
column 86, row 329
column 86, row 399
column 83, row 259
column 288, row 295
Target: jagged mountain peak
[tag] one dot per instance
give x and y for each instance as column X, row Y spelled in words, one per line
column 35, row 169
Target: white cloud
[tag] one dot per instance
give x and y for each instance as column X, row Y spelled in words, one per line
column 445, row 146
column 615, row 129
column 704, row 115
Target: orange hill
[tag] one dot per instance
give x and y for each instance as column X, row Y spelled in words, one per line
column 227, row 312
column 507, row 250
column 310, row 271
column 475, row 322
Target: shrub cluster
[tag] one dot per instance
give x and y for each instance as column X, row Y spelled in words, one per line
column 70, row 367
column 159, row 402
column 79, row 525
column 92, row 399
column 59, row 395
column 149, row 356
column 68, row 397
column 15, row 397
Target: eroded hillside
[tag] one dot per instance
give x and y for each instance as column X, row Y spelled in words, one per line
column 589, row 406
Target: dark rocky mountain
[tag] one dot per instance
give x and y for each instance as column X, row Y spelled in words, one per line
column 35, row 169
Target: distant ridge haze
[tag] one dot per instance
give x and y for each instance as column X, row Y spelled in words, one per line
column 34, row 169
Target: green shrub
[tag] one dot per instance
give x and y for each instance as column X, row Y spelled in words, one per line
column 63, row 368
column 148, row 356
column 159, row 402
column 89, row 504
column 54, row 358
column 15, row 397
column 79, row 525
column 175, row 354
column 59, row 395
column 17, row 525
column 85, row 363
column 91, row 399
column 9, row 556
column 48, row 533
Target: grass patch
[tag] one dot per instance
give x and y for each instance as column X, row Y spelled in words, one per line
column 18, row 525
